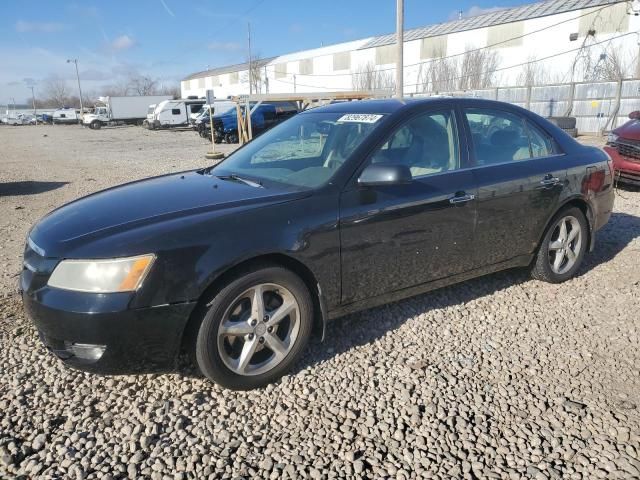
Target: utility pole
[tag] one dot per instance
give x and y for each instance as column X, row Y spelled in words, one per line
column 266, row 80
column 250, row 59
column 75, row 61
column 399, row 48
column 294, row 83
column 33, row 101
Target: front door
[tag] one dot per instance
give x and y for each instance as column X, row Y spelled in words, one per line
column 520, row 179
column 398, row 236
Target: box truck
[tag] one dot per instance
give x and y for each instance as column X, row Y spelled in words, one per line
column 121, row 110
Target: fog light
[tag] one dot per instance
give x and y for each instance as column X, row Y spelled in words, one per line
column 86, row 351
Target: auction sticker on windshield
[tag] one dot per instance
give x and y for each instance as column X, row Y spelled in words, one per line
column 360, row 117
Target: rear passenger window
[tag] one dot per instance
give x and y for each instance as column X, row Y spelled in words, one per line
column 497, row 136
column 541, row 143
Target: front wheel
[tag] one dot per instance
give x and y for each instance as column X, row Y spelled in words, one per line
column 563, row 248
column 256, row 327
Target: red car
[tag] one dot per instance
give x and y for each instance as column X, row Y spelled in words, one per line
column 623, row 146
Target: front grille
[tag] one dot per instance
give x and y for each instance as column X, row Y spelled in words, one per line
column 628, row 148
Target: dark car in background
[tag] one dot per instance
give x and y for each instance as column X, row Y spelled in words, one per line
column 623, row 145
column 339, row 209
column 263, row 117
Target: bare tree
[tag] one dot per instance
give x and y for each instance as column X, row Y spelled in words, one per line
column 533, row 73
column 142, row 85
column 56, row 90
column 255, row 74
column 369, row 77
column 119, row 89
column 615, row 66
column 438, row 74
column 477, row 69
column 173, row 90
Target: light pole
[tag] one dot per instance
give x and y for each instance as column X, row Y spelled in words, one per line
column 75, row 60
column 33, row 101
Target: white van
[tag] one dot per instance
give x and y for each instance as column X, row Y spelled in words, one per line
column 65, row 115
column 174, row 113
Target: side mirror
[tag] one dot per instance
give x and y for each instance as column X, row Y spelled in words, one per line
column 635, row 115
column 384, row 174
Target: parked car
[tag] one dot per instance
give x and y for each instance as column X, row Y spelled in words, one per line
column 264, row 117
column 219, row 107
column 338, row 209
column 623, row 145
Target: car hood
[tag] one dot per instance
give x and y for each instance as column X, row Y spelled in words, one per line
column 145, row 202
column 630, row 130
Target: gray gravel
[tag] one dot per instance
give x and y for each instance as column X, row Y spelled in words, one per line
column 499, row 377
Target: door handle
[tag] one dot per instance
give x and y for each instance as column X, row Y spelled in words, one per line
column 550, row 181
column 467, row 197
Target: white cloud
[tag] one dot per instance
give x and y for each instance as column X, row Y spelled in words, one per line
column 39, row 27
column 474, row 11
column 123, row 42
column 225, row 46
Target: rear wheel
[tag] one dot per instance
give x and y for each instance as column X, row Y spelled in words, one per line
column 255, row 329
column 563, row 248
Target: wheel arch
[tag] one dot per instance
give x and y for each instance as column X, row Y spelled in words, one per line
column 277, row 259
column 583, row 205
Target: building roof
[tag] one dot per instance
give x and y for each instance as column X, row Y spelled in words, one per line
column 497, row 17
column 238, row 67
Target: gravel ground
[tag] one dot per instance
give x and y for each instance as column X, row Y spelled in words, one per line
column 498, row 377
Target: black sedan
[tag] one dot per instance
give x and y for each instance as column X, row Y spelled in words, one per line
column 338, row 209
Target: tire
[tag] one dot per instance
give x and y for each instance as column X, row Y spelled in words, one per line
column 571, row 131
column 215, row 352
column 96, row 125
column 544, row 267
column 565, row 123
column 231, row 137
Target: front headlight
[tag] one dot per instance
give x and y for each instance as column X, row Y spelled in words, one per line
column 612, row 137
column 102, row 276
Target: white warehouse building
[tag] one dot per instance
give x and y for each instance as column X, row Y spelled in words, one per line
column 553, row 41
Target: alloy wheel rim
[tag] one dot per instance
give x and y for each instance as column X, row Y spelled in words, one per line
column 259, row 329
column 565, row 245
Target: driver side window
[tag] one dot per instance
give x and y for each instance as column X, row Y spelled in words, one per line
column 427, row 144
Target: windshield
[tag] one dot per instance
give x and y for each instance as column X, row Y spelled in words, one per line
column 223, row 109
column 305, row 151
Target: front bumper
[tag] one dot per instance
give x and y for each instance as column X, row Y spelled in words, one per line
column 99, row 332
column 626, row 170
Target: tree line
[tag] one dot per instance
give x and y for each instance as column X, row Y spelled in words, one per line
column 56, row 92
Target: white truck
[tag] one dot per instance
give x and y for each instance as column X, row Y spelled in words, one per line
column 174, row 113
column 65, row 115
column 121, row 110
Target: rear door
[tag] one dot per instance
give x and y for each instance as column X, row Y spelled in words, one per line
column 398, row 236
column 520, row 177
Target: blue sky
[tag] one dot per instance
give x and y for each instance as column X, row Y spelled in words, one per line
column 170, row 39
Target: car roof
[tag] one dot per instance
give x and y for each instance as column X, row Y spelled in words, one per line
column 393, row 105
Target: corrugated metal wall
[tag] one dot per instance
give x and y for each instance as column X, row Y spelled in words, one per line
column 597, row 106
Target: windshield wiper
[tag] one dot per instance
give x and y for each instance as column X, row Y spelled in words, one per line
column 237, row 178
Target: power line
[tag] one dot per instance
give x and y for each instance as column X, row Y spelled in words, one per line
column 486, row 71
column 535, row 60
column 432, row 60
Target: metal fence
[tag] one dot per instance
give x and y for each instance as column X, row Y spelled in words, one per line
column 597, row 106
